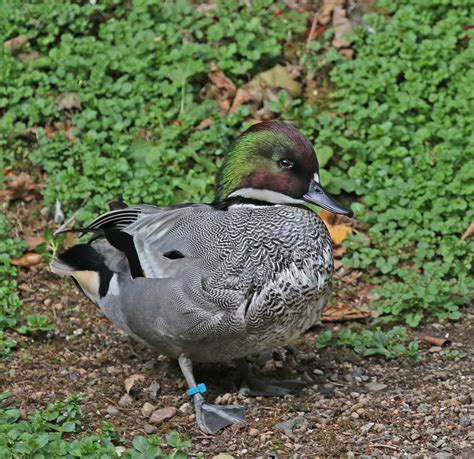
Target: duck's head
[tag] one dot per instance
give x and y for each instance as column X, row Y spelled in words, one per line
column 273, row 162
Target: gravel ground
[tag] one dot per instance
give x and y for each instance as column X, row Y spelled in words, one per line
column 351, row 405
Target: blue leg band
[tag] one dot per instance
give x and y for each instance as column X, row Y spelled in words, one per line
column 199, row 389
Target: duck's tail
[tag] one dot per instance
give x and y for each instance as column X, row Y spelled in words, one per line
column 88, row 269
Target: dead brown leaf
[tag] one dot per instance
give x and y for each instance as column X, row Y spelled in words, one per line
column 20, row 187
column 334, row 223
column 348, row 53
column 468, row 233
column 16, row 44
column 223, row 88
column 339, row 251
column 33, row 56
column 68, row 101
column 265, row 86
column 326, row 11
column 33, row 241
column 132, row 380
column 329, row 218
column 204, row 124
column 433, row 340
column 341, row 311
column 339, row 232
column 342, row 25
column 27, row 260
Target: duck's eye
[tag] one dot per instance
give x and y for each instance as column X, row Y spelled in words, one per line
column 285, row 163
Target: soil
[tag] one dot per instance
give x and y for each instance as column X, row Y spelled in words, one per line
column 351, row 405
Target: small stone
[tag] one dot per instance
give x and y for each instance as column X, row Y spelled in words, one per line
column 375, row 386
column 358, row 372
column 223, row 456
column 45, row 212
column 415, row 436
column 147, row 409
column 112, row 411
column 154, row 390
column 289, row 425
column 423, row 408
column 125, row 400
column 149, row 364
column 317, row 371
column 354, row 415
column 300, row 407
column 186, row 408
column 162, row 415
column 465, row 420
column 149, row 429
column 78, row 331
column 253, row 432
column 237, row 427
column 379, row 427
column 328, row 392
column 366, row 428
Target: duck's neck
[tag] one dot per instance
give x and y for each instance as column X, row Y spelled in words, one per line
column 239, row 201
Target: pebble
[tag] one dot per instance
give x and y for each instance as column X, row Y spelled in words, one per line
column 289, row 425
column 162, row 415
column 465, row 420
column 379, row 427
column 112, row 411
column 317, row 371
column 125, row 400
column 423, row 408
column 355, row 415
column 358, row 372
column 154, row 390
column 366, row 428
column 147, row 409
column 78, row 331
column 150, row 364
column 149, row 429
column 253, row 432
column 186, row 408
column 375, row 386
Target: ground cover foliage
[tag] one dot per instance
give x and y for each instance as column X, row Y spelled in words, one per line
column 111, row 105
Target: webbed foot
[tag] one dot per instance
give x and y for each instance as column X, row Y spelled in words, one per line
column 211, row 418
column 258, row 386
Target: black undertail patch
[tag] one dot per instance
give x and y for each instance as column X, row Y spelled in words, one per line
column 83, row 257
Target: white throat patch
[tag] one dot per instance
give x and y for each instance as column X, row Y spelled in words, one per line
column 265, row 195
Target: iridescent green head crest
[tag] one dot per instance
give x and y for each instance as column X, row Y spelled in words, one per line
column 272, row 162
column 271, row 156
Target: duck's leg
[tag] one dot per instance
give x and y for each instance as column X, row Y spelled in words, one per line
column 258, row 386
column 210, row 418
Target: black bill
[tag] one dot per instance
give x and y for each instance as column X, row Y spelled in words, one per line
column 317, row 195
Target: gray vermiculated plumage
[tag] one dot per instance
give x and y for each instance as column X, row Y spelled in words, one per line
column 250, row 278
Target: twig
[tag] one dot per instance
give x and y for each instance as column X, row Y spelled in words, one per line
column 379, row 445
column 312, row 30
column 66, row 223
